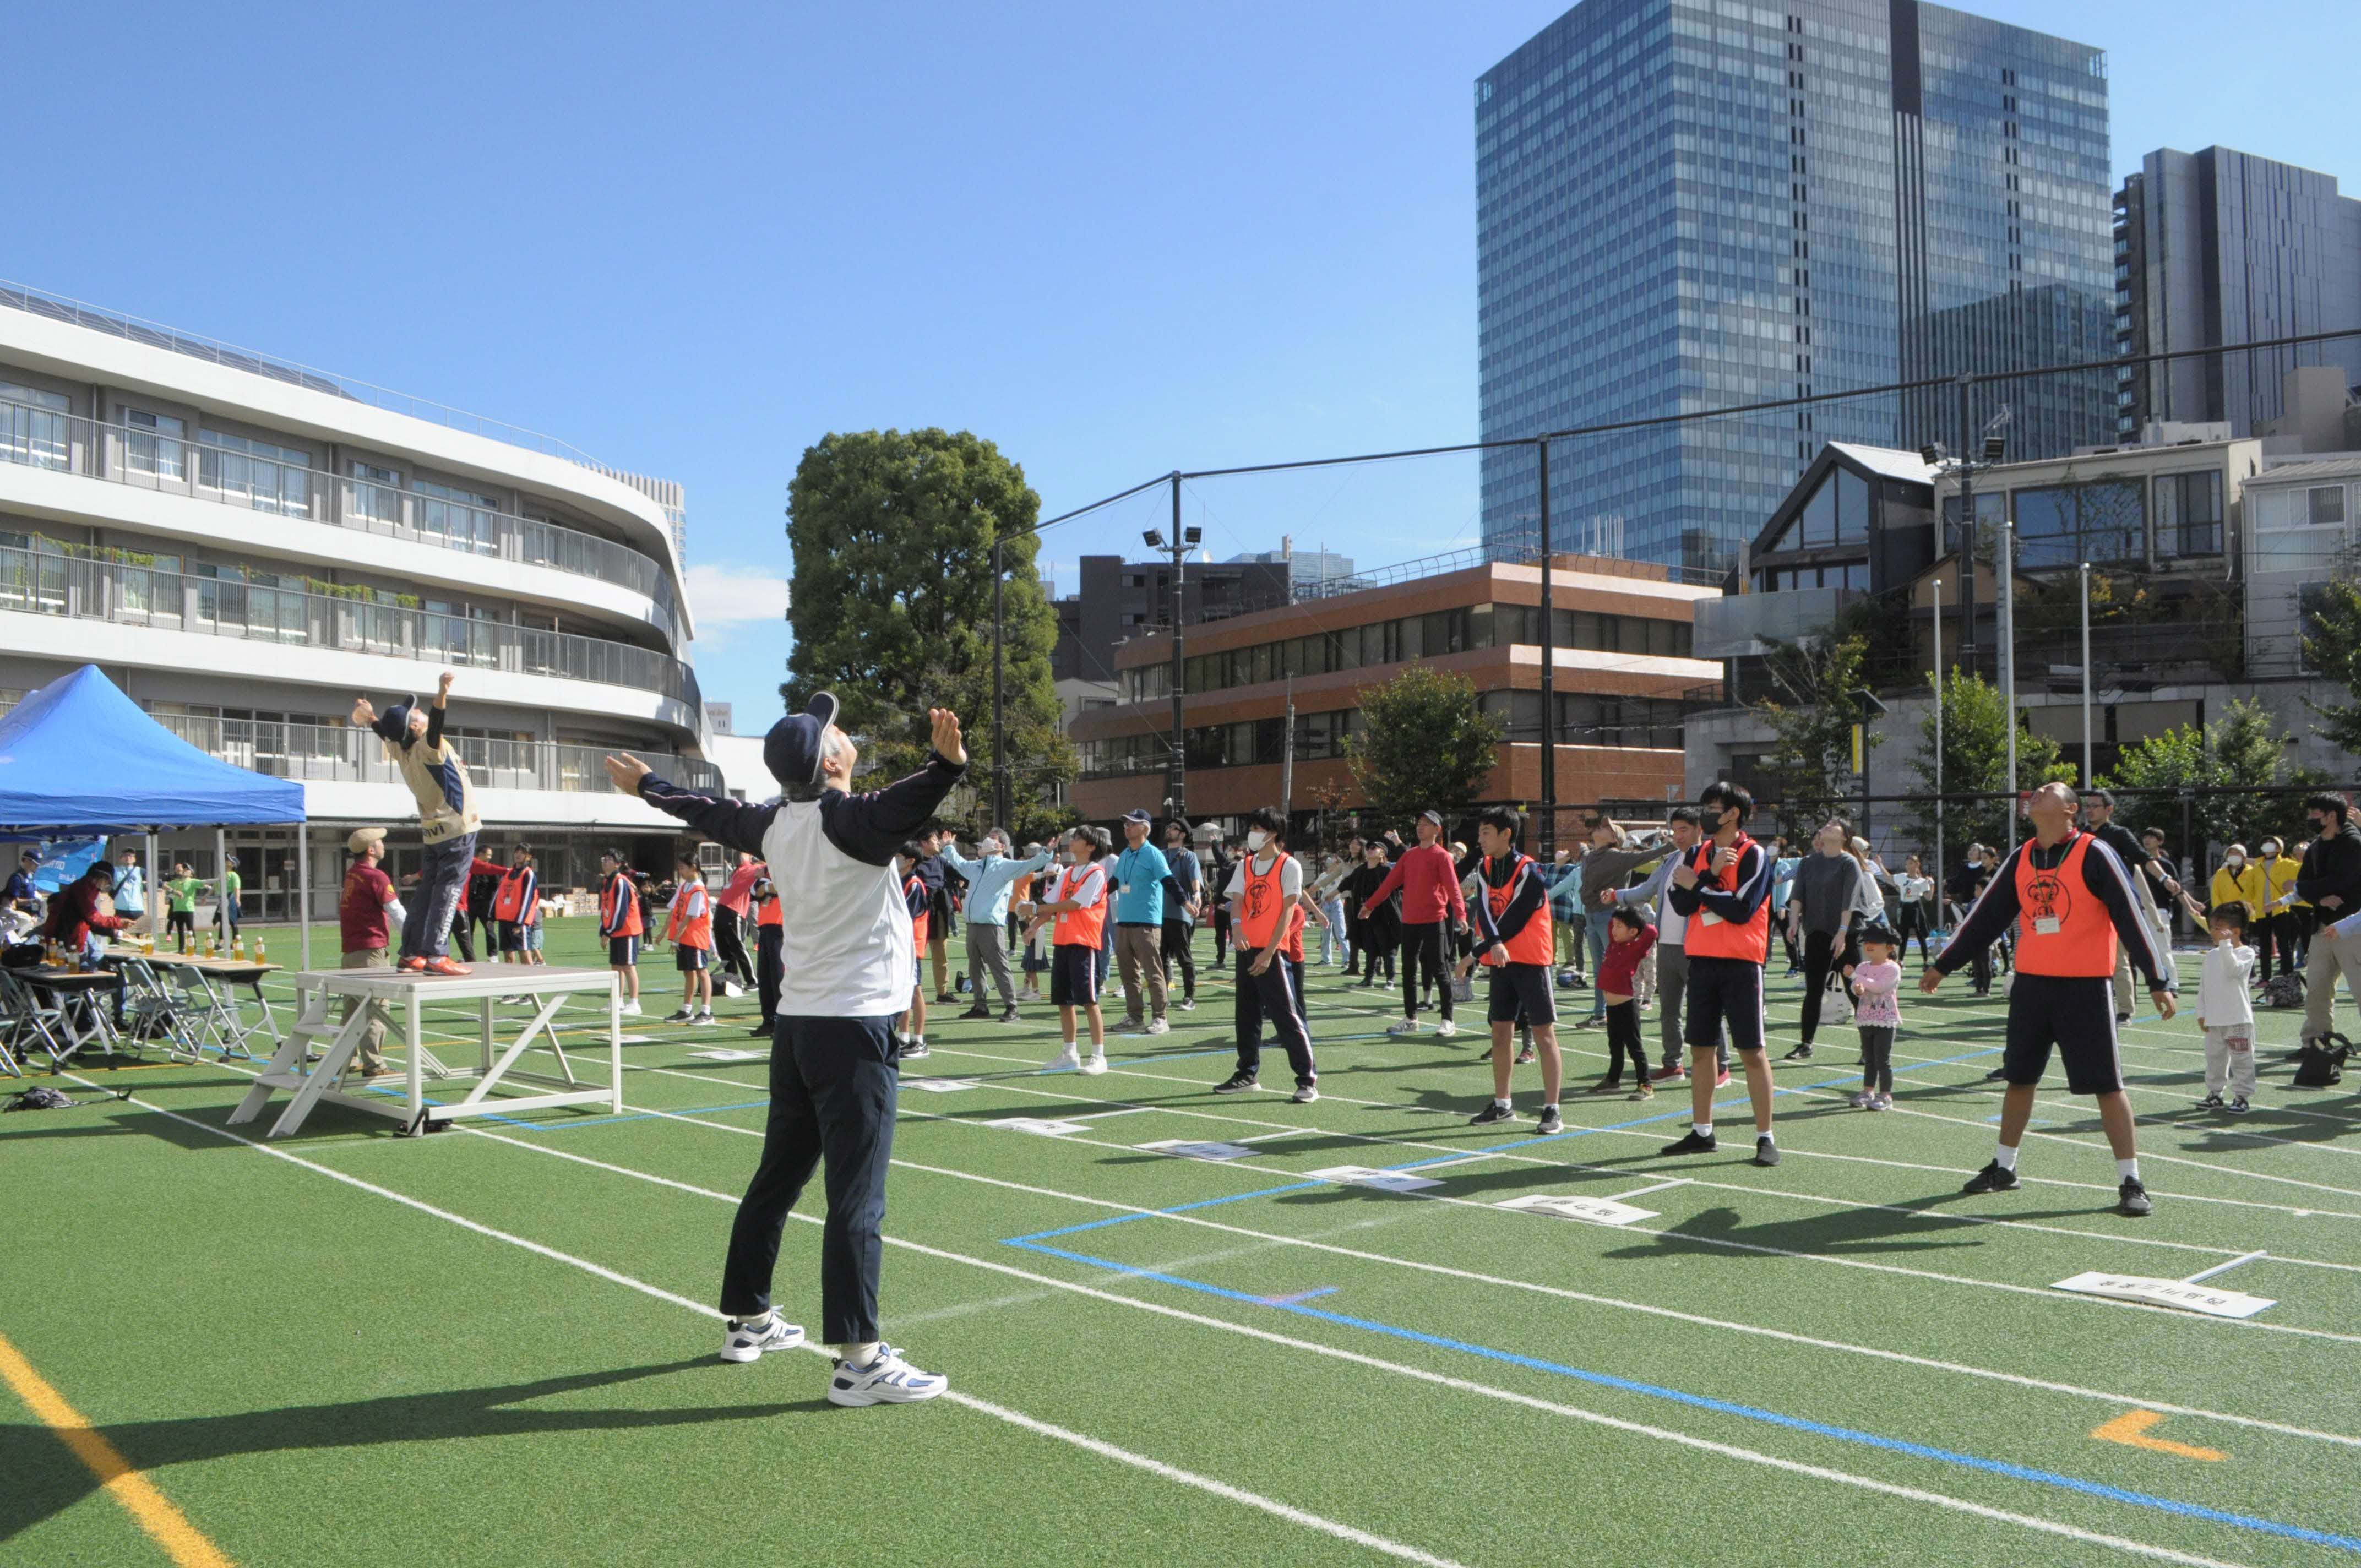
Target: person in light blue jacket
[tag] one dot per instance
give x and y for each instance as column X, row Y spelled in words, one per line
column 989, row 878
column 1139, row 876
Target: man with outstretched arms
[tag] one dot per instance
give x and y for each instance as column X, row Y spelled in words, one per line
column 1722, row 889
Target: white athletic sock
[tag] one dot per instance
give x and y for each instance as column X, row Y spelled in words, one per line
column 1500, row 1103
column 2004, row 1157
column 1765, row 1138
column 860, row 1354
column 1704, row 1129
column 2127, row 1171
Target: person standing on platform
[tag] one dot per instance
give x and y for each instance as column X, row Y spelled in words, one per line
column 1723, row 891
column 1076, row 912
column 1432, row 905
column 621, row 926
column 991, row 879
column 732, row 914
column 363, row 912
column 848, row 969
column 1265, row 893
column 1184, row 884
column 1140, row 875
column 446, row 821
column 688, row 926
column 769, row 921
column 2074, row 903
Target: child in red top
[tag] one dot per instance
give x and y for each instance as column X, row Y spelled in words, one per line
column 1629, row 937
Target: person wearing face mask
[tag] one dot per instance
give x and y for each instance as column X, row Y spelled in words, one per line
column 2330, row 880
column 990, row 877
column 1265, row 898
column 1077, row 911
column 1722, row 889
column 2275, row 932
column 2239, row 881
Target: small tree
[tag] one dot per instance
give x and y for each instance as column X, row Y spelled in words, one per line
column 1424, row 741
column 2333, row 647
column 1975, row 761
column 2243, row 748
column 1811, row 716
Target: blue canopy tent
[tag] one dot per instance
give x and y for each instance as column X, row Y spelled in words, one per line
column 77, row 756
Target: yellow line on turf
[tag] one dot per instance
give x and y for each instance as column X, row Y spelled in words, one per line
column 2130, row 1428
column 153, row 1511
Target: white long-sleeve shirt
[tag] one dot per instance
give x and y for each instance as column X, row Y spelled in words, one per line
column 2223, row 998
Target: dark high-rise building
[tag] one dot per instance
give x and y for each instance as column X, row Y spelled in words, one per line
column 1122, row 600
column 2220, row 246
column 1684, row 205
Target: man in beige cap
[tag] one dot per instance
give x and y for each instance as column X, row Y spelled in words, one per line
column 367, row 900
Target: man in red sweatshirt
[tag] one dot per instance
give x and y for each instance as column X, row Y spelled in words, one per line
column 1429, row 881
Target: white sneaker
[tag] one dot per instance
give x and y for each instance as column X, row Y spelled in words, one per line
column 1403, row 1026
column 628, row 1010
column 1305, row 1095
column 1159, row 1026
column 740, row 1342
column 1065, row 1061
column 886, row 1380
column 1094, row 1064
column 681, row 1016
column 1447, row 1029
column 705, row 1016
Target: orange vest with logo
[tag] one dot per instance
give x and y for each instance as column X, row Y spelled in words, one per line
column 768, row 912
column 1711, row 937
column 1080, row 927
column 615, row 893
column 1254, row 922
column 1532, row 945
column 509, row 903
column 2063, row 929
column 687, row 930
column 1292, row 948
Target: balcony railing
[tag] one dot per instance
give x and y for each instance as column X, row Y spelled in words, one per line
column 339, row 753
column 240, row 477
column 44, row 582
column 1746, row 624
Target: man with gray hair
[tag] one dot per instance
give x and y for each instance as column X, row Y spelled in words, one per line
column 989, row 878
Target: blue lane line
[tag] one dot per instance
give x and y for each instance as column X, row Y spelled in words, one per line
column 1729, row 1408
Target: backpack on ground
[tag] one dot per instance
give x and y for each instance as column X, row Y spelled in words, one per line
column 37, row 1098
column 2283, row 990
column 2320, row 1063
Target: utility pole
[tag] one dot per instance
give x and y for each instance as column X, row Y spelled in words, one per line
column 2008, row 659
column 1937, row 673
column 1967, row 534
column 1548, row 846
column 1287, row 759
column 999, row 720
column 1176, row 802
column 2086, row 675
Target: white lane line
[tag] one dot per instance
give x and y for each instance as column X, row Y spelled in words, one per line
column 1156, row 1467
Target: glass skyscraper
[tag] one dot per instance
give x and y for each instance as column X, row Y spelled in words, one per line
column 1684, row 206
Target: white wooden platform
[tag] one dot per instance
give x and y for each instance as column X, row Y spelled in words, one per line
column 398, row 998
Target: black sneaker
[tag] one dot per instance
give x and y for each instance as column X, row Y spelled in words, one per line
column 1491, row 1114
column 1801, row 1053
column 1766, row 1153
column 760, row 1029
column 2211, row 1102
column 2131, row 1199
column 1008, row 1015
column 914, row 1050
column 1551, row 1122
column 1997, row 1075
column 1238, row 1083
column 978, row 1011
column 1692, row 1142
column 1994, row 1178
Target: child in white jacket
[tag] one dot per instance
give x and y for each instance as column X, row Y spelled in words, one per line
column 2226, row 1011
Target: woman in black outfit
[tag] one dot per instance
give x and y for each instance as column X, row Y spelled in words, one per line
column 1381, row 932
column 1219, row 879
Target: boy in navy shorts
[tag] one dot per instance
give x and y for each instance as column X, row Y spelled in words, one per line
column 1513, row 940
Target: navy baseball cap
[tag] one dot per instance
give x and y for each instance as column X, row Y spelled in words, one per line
column 791, row 750
column 1137, row 814
column 1430, row 814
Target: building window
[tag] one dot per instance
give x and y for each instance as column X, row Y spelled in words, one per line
column 2326, row 505
column 373, row 496
column 462, row 518
column 2064, row 525
column 264, row 476
column 153, row 449
column 2188, row 514
column 33, row 426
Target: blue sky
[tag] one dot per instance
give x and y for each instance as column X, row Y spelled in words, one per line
column 691, row 239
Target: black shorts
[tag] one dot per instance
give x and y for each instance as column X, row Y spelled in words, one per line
column 623, row 952
column 1074, row 975
column 1724, row 991
column 689, row 959
column 511, row 937
column 2075, row 1013
column 1521, row 994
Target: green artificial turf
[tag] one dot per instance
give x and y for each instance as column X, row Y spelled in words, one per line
column 1839, row 1360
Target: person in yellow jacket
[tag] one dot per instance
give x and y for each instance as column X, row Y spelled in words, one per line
column 2281, row 926
column 2239, row 881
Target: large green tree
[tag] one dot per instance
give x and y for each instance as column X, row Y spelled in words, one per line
column 1975, row 761
column 892, row 533
column 1811, row 710
column 2244, row 748
column 1424, row 741
column 2331, row 645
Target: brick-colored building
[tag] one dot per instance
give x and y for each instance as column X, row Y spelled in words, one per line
column 1625, row 682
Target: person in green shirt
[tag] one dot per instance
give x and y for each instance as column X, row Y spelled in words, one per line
column 225, row 910
column 180, row 905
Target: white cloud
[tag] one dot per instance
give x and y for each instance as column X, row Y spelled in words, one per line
column 726, row 597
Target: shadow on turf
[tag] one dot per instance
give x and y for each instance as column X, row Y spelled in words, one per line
column 45, row 1478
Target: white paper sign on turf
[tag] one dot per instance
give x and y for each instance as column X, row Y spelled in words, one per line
column 1597, row 1211
column 1195, row 1151
column 729, row 1056
column 940, row 1085
column 1384, row 1181
column 2167, row 1293
column 1034, row 1125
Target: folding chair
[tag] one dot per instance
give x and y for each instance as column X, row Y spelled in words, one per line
column 210, row 1015
column 150, row 1009
column 24, row 1018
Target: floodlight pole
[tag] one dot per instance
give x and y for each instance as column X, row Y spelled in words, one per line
column 2086, row 675
column 1938, row 674
column 1180, row 613
column 1967, row 534
column 2007, row 631
column 1548, row 844
column 999, row 723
